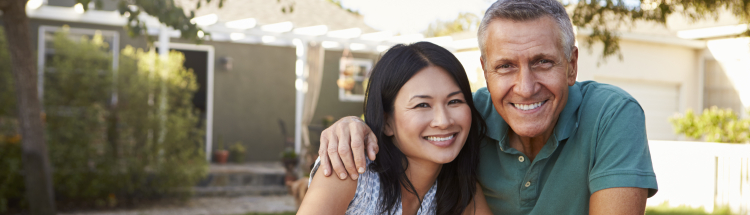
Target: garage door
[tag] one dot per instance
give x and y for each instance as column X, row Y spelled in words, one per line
column 659, row 102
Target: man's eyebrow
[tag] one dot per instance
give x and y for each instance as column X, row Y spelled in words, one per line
column 421, row 97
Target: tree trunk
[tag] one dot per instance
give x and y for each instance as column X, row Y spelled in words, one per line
column 36, row 164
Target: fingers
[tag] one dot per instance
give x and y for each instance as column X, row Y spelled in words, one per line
column 345, row 152
column 372, row 145
column 358, row 148
column 333, row 155
column 325, row 164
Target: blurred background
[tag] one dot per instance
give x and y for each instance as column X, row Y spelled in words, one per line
column 216, row 107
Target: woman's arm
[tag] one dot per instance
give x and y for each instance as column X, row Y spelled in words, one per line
column 478, row 205
column 328, row 195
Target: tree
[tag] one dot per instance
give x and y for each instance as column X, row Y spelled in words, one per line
column 464, row 22
column 604, row 17
column 35, row 157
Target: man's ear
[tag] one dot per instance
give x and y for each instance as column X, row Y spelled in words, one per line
column 573, row 67
column 388, row 129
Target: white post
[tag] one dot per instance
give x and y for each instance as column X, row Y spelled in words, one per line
column 300, row 84
column 163, row 55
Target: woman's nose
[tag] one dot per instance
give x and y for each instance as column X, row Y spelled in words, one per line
column 441, row 119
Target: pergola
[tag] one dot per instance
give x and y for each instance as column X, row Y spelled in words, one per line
column 248, row 31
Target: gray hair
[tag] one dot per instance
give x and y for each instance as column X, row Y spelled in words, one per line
column 526, row 10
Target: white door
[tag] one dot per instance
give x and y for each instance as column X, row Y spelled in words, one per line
column 659, row 101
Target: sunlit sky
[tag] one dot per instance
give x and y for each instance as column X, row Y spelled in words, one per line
column 414, row 16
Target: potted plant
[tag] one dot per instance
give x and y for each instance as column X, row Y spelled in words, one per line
column 221, row 154
column 237, row 152
column 289, row 158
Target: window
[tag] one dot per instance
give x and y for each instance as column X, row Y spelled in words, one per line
column 353, row 79
column 47, row 49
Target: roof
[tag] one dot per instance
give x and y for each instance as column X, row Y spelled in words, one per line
column 306, row 13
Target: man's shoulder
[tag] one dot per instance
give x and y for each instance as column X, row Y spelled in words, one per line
column 597, row 92
column 483, row 102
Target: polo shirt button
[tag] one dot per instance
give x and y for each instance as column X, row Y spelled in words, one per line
column 528, row 183
column 521, row 159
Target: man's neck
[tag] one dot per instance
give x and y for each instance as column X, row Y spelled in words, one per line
column 529, row 146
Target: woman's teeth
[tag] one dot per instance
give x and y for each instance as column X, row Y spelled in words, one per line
column 529, row 106
column 431, row 138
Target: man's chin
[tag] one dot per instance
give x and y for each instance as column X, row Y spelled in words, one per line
column 529, row 130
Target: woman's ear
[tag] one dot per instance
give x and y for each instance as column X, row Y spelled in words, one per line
column 388, row 130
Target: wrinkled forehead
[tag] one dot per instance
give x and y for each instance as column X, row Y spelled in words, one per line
column 537, row 36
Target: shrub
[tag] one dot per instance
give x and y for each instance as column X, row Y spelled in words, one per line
column 714, row 124
column 112, row 140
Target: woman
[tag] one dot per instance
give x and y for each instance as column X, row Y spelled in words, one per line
column 419, row 105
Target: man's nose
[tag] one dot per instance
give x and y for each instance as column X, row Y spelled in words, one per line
column 441, row 118
column 525, row 85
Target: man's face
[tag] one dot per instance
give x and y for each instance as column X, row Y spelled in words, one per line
column 527, row 73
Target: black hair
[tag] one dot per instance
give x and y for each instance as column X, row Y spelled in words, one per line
column 457, row 179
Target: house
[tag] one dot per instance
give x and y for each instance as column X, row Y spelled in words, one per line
column 253, row 67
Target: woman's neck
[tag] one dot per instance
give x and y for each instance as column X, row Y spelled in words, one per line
column 422, row 175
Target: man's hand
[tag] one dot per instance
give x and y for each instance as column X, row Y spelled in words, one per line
column 343, row 146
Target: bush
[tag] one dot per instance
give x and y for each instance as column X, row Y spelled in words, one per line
column 145, row 144
column 714, row 124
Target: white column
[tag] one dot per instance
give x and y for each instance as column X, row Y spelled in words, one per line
column 300, row 84
column 163, row 55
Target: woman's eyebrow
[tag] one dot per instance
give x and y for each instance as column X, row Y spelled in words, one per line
column 421, row 97
column 454, row 93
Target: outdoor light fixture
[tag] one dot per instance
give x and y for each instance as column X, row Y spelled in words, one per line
column 201, row 34
column 329, row 44
column 34, row 4
column 226, row 63
column 312, row 30
column 357, row 46
column 712, row 32
column 236, row 36
column 78, row 8
column 280, row 27
column 205, row 20
column 407, row 38
column 346, row 33
column 377, row 36
column 268, row 39
column 242, row 23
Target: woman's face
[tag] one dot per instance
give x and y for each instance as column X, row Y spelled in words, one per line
column 430, row 119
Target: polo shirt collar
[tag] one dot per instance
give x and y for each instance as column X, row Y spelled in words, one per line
column 565, row 127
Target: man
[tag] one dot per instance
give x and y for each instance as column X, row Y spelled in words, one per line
column 553, row 145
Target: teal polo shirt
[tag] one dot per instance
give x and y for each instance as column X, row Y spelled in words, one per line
column 599, row 142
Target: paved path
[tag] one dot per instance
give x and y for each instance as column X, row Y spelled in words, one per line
column 212, row 206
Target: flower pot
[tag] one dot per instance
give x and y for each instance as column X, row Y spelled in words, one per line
column 220, row 156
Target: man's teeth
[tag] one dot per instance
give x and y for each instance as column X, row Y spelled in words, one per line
column 431, row 138
column 529, row 106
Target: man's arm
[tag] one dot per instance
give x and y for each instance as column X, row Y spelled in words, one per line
column 342, row 145
column 619, row 200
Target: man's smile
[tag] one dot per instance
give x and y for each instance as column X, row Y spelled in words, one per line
column 527, row 107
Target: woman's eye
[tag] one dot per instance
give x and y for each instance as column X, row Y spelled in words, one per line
column 422, row 105
column 456, row 101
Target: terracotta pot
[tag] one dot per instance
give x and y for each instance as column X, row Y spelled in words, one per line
column 220, row 156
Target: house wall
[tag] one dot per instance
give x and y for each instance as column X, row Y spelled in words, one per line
column 657, row 75
column 259, row 91
column 733, row 58
column 328, row 101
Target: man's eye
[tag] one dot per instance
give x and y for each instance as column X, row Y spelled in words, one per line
column 543, row 61
column 504, row 66
column 422, row 105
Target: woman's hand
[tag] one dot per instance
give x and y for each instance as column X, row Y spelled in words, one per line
column 342, row 146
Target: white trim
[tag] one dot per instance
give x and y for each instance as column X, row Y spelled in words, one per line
column 209, row 88
column 666, row 40
column 300, row 86
column 42, row 45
